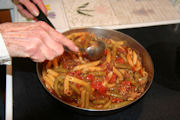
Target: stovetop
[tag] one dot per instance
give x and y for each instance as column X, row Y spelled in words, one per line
column 161, row 102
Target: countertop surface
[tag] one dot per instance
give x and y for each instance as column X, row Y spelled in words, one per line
column 110, row 14
column 161, row 102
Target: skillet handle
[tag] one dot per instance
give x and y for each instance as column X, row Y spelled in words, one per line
column 41, row 16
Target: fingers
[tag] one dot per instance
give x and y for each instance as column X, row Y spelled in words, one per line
column 41, row 46
column 38, row 57
column 60, row 38
column 52, row 44
column 24, row 12
column 30, row 6
column 41, row 6
column 63, row 40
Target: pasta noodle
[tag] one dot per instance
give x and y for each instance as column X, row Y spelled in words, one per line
column 79, row 67
column 118, row 73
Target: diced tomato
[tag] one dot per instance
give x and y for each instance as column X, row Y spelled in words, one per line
column 99, row 87
column 105, row 52
column 77, row 72
column 116, row 100
column 107, row 78
column 128, row 83
column 126, row 75
column 113, row 79
column 133, row 69
column 120, row 60
column 121, row 50
column 109, row 67
column 64, row 65
column 78, row 86
column 90, row 77
column 70, row 73
column 96, row 85
column 141, row 72
column 102, row 90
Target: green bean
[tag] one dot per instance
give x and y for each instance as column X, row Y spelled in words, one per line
column 133, row 82
column 88, row 90
column 60, row 69
column 91, row 106
column 86, row 42
column 109, row 45
column 75, row 89
column 58, row 88
column 119, row 105
column 114, row 95
column 56, row 82
column 78, row 44
column 107, row 104
column 114, row 51
column 122, row 66
column 101, row 101
column 99, row 73
column 137, row 75
column 61, row 78
column 123, row 57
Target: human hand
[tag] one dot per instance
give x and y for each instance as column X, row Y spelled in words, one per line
column 37, row 41
column 31, row 7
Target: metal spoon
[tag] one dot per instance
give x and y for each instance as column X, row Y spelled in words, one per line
column 96, row 50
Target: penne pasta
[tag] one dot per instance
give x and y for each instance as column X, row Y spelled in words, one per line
column 51, row 77
column 75, row 89
column 76, row 80
column 134, row 57
column 137, row 66
column 129, row 50
column 118, row 73
column 114, row 50
column 92, row 69
column 108, row 57
column 107, row 105
column 66, row 86
column 83, row 94
column 119, row 43
column 130, row 60
column 52, row 72
column 55, row 62
column 49, row 82
column 79, row 67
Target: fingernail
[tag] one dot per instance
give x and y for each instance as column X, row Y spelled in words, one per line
column 35, row 13
column 76, row 49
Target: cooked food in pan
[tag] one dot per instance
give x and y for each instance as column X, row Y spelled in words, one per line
column 113, row 81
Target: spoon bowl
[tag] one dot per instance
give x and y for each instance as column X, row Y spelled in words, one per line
column 96, row 50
